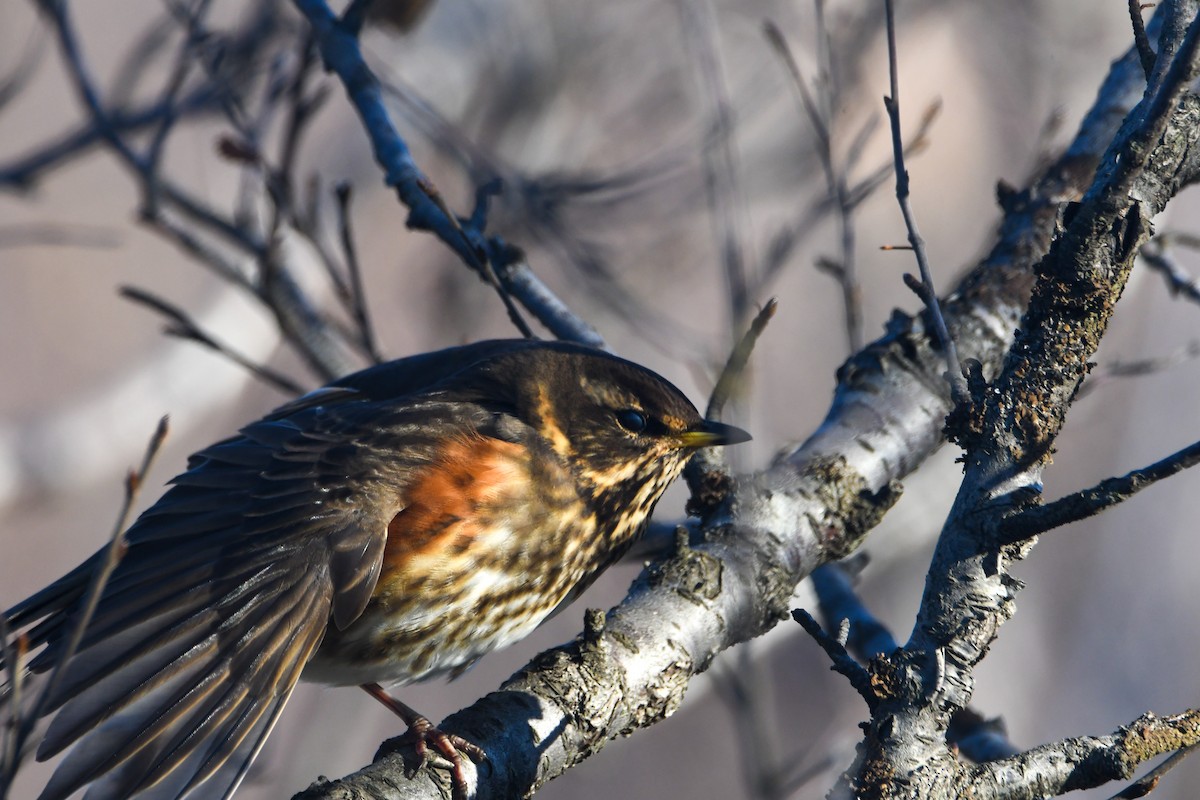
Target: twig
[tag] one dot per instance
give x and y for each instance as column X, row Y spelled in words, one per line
column 805, row 774
column 184, row 327
column 174, row 85
column 1140, row 40
column 302, row 109
column 979, row 738
column 545, row 306
column 44, row 235
column 1148, row 782
column 958, row 386
column 1138, row 368
column 358, row 296
column 742, row 686
column 719, row 158
column 839, row 601
column 183, row 237
column 304, row 327
column 739, row 358
column 843, row 663
column 492, row 252
column 12, row 84
column 342, row 55
column 59, row 152
column 1090, row 502
column 1154, row 254
column 1148, row 366
column 540, row 199
column 785, row 241
column 836, row 181
column 102, row 571
column 707, row 474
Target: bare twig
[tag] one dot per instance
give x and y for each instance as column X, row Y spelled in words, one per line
column 12, row 84
column 35, row 235
column 1137, row 368
column 839, row 601
column 103, row 570
column 1090, row 502
column 340, row 51
column 358, row 297
column 546, row 307
column 843, row 663
column 836, row 180
column 720, row 162
column 174, row 86
column 540, row 201
column 60, row 151
column 182, row 326
column 741, row 682
column 1140, row 40
column 1147, row 783
column 784, row 242
column 707, row 474
column 958, row 386
column 306, row 329
column 302, row 108
column 739, row 358
column 1181, row 284
column 954, row 368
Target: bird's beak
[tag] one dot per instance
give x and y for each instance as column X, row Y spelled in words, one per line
column 707, row 433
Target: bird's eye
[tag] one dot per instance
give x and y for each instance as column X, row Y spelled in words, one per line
column 631, row 420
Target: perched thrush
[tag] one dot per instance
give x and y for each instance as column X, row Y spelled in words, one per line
column 393, row 526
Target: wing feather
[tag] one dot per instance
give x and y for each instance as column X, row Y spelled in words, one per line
column 229, row 583
column 225, row 592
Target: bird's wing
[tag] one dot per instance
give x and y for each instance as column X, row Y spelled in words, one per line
column 223, row 595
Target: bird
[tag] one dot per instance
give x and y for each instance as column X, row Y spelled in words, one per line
column 393, row 526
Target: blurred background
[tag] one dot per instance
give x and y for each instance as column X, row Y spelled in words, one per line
column 604, row 119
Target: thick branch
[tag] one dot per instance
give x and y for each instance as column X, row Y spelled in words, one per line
column 809, row 508
column 1010, row 430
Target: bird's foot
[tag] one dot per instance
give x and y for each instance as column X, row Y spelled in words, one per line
column 422, row 735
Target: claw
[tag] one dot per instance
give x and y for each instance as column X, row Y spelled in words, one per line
column 421, row 734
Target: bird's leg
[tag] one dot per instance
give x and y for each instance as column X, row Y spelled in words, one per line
column 423, row 733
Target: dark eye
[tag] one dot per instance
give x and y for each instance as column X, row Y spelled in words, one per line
column 631, row 420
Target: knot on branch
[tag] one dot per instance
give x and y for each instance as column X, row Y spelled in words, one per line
column 888, row 678
column 694, row 574
column 965, row 422
column 899, row 339
column 711, row 491
column 851, row 508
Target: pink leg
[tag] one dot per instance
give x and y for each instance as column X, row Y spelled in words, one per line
column 423, row 733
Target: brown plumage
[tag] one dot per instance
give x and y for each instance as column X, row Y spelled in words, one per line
column 396, row 525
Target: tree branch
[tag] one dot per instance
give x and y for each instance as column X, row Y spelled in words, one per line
column 812, row 506
column 1083, row 762
column 1010, row 427
column 1090, row 502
